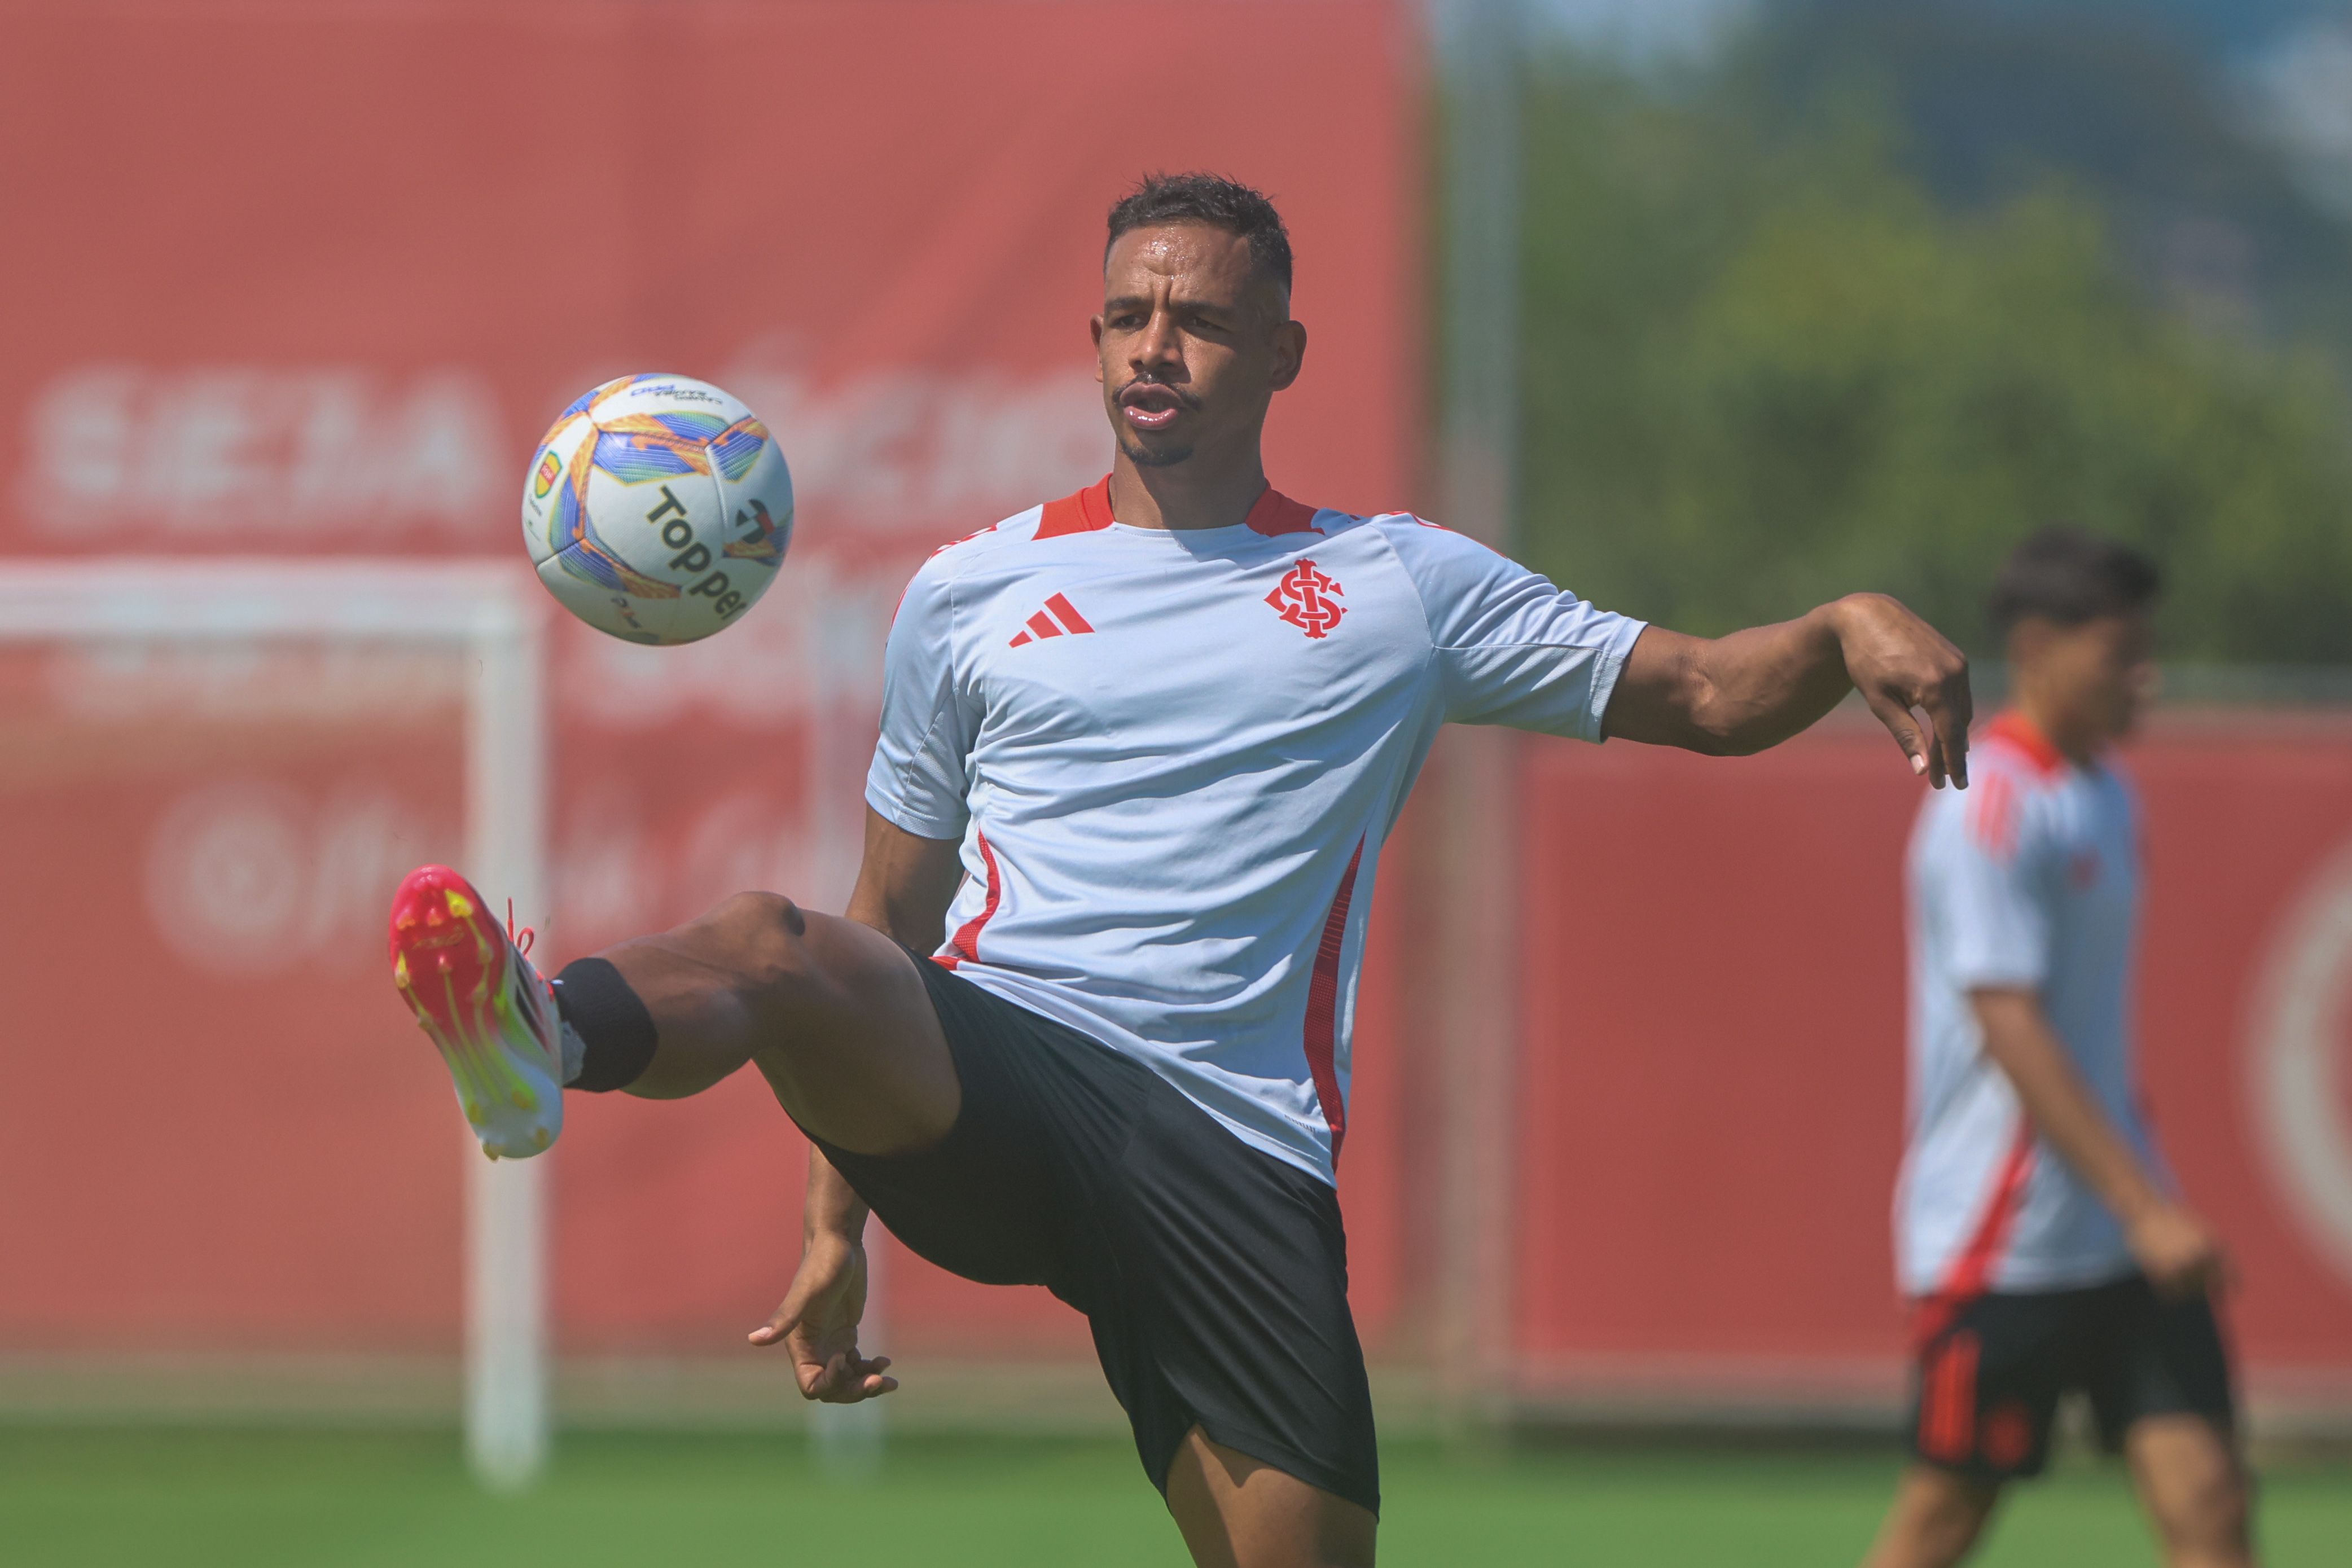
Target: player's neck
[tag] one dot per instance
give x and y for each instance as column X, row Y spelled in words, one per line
column 2077, row 740
column 1199, row 493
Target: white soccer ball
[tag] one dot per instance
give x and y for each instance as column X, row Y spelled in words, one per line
column 657, row 508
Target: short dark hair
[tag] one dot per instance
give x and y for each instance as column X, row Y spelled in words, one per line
column 2068, row 576
column 1212, row 199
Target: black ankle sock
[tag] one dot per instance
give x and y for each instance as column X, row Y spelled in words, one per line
column 611, row 1022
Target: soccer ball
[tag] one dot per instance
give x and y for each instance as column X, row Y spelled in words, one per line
column 657, row 508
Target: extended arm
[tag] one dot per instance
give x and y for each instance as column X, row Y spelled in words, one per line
column 2174, row 1249
column 904, row 887
column 1731, row 696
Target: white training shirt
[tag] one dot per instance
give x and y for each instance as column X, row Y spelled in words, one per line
column 1172, row 757
column 2029, row 880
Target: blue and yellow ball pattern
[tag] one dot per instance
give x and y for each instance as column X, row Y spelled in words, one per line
column 657, row 508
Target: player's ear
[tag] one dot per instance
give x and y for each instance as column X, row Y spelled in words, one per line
column 1289, row 352
column 1094, row 331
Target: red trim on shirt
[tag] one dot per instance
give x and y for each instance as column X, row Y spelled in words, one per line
column 965, row 944
column 1088, row 511
column 1043, row 624
column 1060, row 605
column 1971, row 1272
column 1992, row 816
column 1276, row 513
column 2021, row 732
column 1323, row 1007
column 1084, row 513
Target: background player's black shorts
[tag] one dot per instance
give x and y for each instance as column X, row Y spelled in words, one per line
column 1215, row 1276
column 1991, row 1371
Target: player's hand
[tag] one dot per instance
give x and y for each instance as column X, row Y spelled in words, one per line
column 2178, row 1254
column 817, row 1325
column 1914, row 680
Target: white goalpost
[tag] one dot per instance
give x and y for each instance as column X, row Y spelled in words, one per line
column 493, row 616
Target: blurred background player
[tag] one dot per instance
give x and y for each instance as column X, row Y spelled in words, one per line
column 2038, row 1231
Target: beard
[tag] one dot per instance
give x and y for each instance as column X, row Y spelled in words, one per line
column 1144, row 456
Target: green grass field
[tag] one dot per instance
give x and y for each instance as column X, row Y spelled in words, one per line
column 332, row 1499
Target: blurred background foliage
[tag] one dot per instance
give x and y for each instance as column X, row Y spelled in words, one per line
column 1876, row 287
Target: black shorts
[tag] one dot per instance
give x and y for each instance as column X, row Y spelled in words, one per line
column 1991, row 1371
column 1215, row 1276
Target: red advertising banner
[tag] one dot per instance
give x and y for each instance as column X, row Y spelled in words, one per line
column 1714, row 1066
column 303, row 280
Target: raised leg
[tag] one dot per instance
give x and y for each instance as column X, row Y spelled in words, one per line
column 832, row 1012
column 2194, row 1488
column 1937, row 1518
column 1235, row 1511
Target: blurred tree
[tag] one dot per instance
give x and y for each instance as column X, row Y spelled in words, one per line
column 1764, row 369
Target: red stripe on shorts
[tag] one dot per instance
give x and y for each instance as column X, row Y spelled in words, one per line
column 1948, row 1401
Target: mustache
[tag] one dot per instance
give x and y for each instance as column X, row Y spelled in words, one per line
column 1183, row 399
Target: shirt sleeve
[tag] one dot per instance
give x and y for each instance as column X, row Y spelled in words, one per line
column 1998, row 892
column 1511, row 648
column 919, row 778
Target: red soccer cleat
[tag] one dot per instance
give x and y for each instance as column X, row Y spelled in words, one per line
column 485, row 1007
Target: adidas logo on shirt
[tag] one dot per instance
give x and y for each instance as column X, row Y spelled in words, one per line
column 1059, row 617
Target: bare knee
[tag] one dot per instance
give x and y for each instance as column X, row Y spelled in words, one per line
column 758, row 918
column 717, row 987
column 2208, row 1521
column 760, row 940
column 1937, row 1518
column 2212, row 1534
column 2196, row 1490
column 1945, row 1533
column 832, row 1013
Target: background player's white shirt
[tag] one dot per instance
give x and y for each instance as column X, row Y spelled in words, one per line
column 2029, row 879
column 1172, row 757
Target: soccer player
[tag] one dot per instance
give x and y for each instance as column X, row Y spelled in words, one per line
column 1086, row 1023
column 2038, row 1233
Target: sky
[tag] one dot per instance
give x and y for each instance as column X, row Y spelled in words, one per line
column 2289, row 62
column 1657, row 31
column 1641, row 32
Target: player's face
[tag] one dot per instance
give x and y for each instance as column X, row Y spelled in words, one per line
column 1191, row 344
column 2102, row 671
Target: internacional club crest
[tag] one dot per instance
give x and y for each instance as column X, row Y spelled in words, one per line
column 1308, row 600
